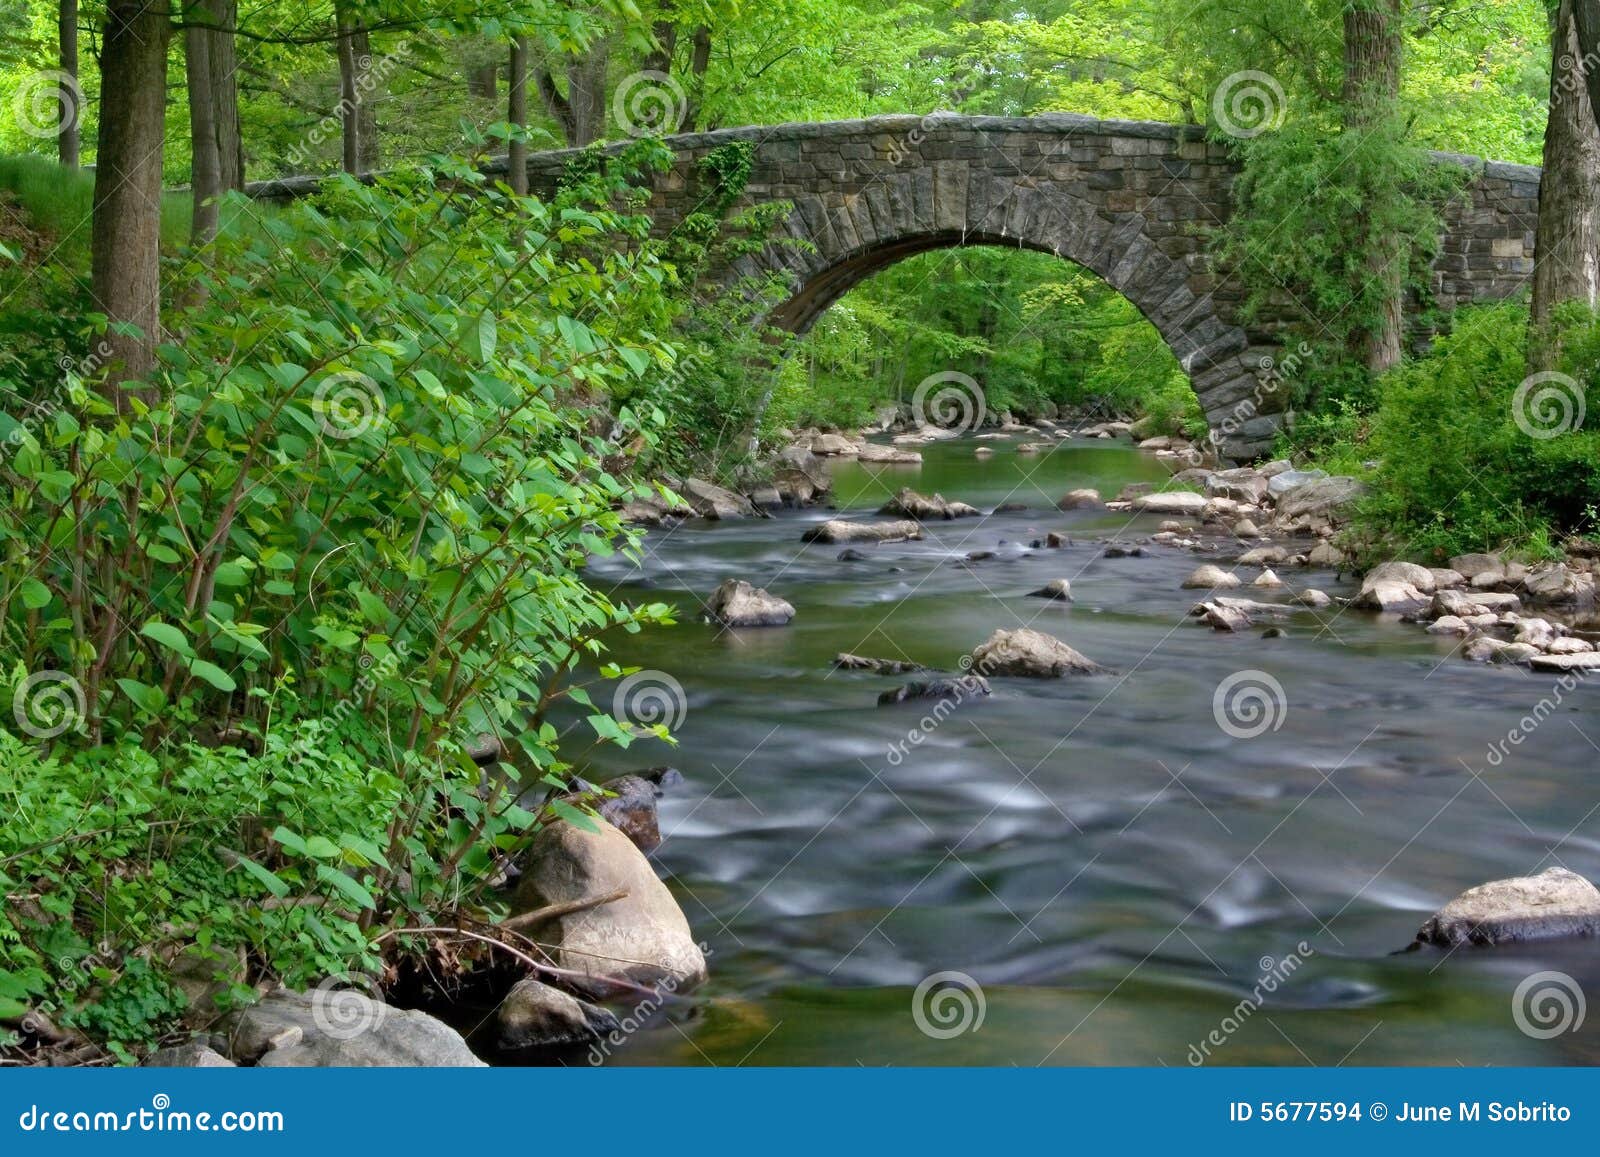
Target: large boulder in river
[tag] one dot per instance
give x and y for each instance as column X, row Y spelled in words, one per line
column 641, row 937
column 1553, row 904
column 536, row 1015
column 1330, row 498
column 1242, row 485
column 1030, row 653
column 799, row 475
column 738, row 604
column 1396, row 586
column 839, row 530
column 709, row 500
column 1557, row 584
column 341, row 1027
column 909, row 504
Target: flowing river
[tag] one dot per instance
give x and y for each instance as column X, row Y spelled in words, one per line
column 1117, row 878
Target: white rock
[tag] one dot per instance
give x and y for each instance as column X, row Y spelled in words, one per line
column 1210, row 577
column 1170, row 502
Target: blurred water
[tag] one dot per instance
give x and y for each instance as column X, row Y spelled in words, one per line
column 1112, row 868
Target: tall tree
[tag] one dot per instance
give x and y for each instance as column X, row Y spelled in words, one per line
column 1567, row 240
column 205, row 168
column 1373, row 47
column 517, row 114
column 69, row 137
column 125, row 278
column 347, row 24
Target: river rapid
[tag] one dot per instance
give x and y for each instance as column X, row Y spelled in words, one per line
column 1092, row 870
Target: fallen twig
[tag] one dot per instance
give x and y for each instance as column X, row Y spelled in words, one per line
column 565, row 908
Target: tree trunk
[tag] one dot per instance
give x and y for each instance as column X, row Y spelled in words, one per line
column 517, row 114
column 1373, row 46
column 205, row 169
column 699, row 61
column 224, row 59
column 125, row 243
column 1586, row 18
column 349, row 100
column 369, row 159
column 586, row 94
column 1567, row 241
column 555, row 104
column 69, row 139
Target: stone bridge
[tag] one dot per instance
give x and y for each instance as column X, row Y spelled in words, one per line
column 1132, row 201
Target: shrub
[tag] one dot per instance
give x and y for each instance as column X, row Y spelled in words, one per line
column 1458, row 468
column 344, row 528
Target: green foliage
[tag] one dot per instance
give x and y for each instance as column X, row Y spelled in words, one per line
column 1313, row 206
column 345, row 526
column 391, row 457
column 1035, row 331
column 1457, row 467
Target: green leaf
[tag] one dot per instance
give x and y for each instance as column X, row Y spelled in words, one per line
column 35, row 594
column 213, row 674
column 150, row 699
column 289, row 840
column 168, row 636
column 268, row 880
column 578, row 819
column 342, row 883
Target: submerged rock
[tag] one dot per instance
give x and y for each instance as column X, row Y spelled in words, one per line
column 838, row 530
column 738, row 604
column 957, row 689
column 909, row 504
column 848, row 662
column 1555, row 903
column 1030, row 653
column 1059, row 589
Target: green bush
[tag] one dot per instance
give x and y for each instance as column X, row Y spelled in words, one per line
column 343, row 526
column 1458, row 468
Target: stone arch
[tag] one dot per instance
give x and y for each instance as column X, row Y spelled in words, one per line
column 847, row 237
